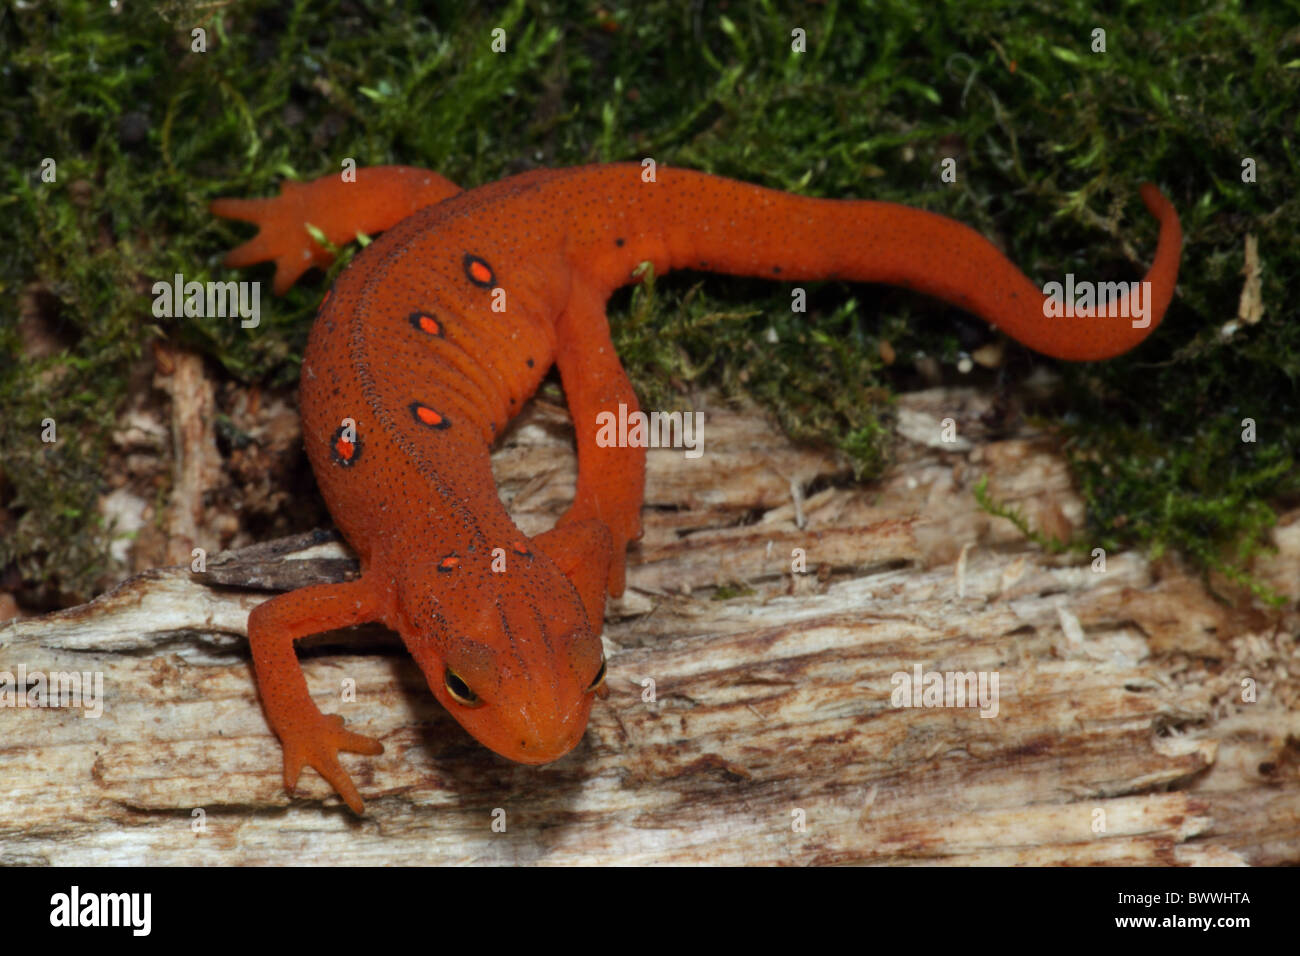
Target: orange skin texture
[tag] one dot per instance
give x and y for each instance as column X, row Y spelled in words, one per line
column 443, row 327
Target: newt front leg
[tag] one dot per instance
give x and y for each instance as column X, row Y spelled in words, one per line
column 308, row 736
column 378, row 198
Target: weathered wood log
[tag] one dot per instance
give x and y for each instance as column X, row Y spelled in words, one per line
column 1138, row 719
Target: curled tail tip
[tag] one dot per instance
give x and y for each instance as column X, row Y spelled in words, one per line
column 1170, row 245
column 1156, row 202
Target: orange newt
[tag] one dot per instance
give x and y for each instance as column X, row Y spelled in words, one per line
column 442, row 328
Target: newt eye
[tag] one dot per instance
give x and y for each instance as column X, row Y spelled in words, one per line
column 460, row 691
column 599, row 678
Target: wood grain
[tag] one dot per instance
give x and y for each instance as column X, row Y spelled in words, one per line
column 1121, row 734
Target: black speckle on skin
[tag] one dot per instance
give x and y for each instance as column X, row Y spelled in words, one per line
column 776, row 270
column 529, row 362
column 620, row 242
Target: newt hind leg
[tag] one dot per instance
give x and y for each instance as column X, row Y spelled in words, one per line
column 309, row 737
column 611, row 480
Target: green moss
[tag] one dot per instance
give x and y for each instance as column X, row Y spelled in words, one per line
column 1049, row 155
column 822, row 381
column 1202, row 492
column 1052, row 545
column 729, row 593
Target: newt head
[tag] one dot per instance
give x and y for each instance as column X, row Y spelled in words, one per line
column 510, row 655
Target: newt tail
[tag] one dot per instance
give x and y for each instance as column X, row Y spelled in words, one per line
column 718, row 225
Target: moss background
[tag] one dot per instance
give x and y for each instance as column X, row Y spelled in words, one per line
column 1051, row 141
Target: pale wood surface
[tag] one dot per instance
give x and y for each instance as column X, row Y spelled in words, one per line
column 1120, row 692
